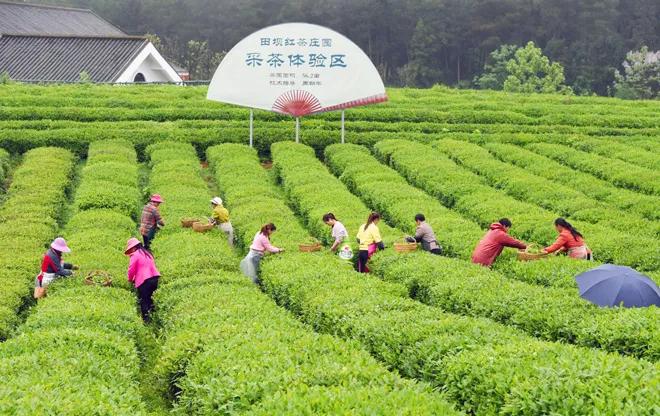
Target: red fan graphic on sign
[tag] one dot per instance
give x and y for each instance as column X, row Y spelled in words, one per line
column 297, row 103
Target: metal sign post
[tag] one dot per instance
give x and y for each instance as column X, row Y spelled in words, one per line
column 251, row 128
column 343, row 131
column 297, row 129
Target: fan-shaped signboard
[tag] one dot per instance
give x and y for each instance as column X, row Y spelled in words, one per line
column 297, row 69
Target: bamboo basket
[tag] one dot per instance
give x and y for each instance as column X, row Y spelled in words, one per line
column 402, row 246
column 106, row 279
column 525, row 255
column 309, row 247
column 201, row 227
column 188, row 222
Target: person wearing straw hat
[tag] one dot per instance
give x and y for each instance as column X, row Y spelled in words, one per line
column 220, row 217
column 144, row 275
column 52, row 266
column 151, row 220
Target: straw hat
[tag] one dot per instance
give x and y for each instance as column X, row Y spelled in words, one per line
column 216, row 201
column 59, row 244
column 131, row 243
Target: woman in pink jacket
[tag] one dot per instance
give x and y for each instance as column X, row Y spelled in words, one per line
column 260, row 245
column 142, row 272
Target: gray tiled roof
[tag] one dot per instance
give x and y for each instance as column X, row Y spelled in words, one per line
column 29, row 19
column 58, row 58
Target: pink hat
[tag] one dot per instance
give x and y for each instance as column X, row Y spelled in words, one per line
column 59, row 244
column 156, row 198
column 132, row 242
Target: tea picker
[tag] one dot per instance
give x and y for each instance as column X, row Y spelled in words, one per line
column 339, row 232
column 424, row 234
column 260, row 245
column 569, row 240
column 369, row 240
column 52, row 267
column 144, row 275
column 220, row 218
column 492, row 244
column 151, row 220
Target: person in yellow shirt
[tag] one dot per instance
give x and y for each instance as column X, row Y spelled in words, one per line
column 369, row 239
column 220, row 217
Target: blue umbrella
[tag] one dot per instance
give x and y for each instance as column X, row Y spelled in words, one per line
column 610, row 285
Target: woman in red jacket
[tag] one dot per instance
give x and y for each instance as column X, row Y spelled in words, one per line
column 569, row 240
column 491, row 246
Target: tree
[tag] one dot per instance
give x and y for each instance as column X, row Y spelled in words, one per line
column 422, row 69
column 641, row 75
column 200, row 60
column 495, row 72
column 530, row 71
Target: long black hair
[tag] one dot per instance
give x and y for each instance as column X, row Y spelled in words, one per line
column 561, row 222
column 372, row 217
column 143, row 250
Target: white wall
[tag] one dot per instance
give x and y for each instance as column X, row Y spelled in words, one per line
column 152, row 65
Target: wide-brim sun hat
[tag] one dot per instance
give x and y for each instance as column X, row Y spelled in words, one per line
column 217, row 200
column 156, row 198
column 59, row 244
column 131, row 243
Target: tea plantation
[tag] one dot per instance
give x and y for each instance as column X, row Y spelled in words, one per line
column 419, row 335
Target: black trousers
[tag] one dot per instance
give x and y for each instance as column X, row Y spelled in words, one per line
column 147, row 239
column 145, row 295
column 363, row 258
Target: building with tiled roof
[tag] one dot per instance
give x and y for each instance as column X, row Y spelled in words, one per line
column 57, row 44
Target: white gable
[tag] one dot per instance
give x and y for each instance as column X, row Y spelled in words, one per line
column 153, row 67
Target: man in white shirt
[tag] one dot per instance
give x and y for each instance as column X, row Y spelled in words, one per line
column 339, row 232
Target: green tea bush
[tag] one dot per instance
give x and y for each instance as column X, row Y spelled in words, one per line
column 520, row 184
column 612, row 149
column 76, row 354
column 468, row 193
column 555, row 314
column 386, row 191
column 553, row 271
column 624, row 199
column 437, row 347
column 254, row 187
column 422, row 342
column 206, row 364
column 28, row 222
column 622, row 174
column 87, row 335
column 106, row 205
column 313, row 192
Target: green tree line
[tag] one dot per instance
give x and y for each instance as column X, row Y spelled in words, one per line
column 412, row 42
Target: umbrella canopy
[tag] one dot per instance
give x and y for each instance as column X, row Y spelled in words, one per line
column 610, row 285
